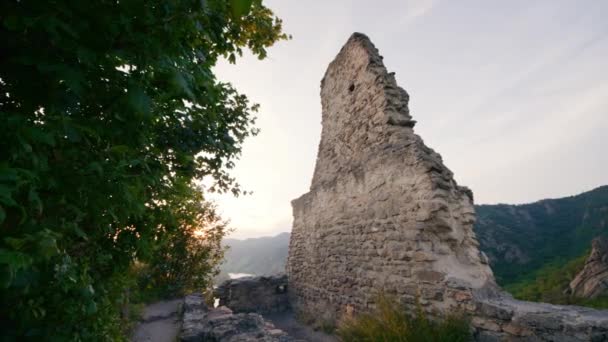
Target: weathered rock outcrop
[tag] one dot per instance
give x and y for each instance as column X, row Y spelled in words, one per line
column 264, row 295
column 201, row 323
column 384, row 214
column 592, row 280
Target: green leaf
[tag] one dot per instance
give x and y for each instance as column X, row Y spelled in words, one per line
column 138, row 101
column 95, row 167
column 232, row 58
column 88, row 291
column 2, row 214
column 47, row 245
column 8, row 174
column 119, row 149
column 34, row 198
column 91, row 308
column 72, row 132
column 240, row 7
column 80, row 233
column 180, row 84
column 11, row 22
column 12, row 258
column 38, row 135
column 15, row 261
column 15, row 243
column 6, row 196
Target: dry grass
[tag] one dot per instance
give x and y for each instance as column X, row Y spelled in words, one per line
column 390, row 323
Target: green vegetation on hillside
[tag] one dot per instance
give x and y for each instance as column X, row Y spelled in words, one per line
column 537, row 249
column 109, row 115
column 549, row 283
column 522, row 239
column 390, row 322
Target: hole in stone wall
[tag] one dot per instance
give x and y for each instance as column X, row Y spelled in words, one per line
column 351, row 88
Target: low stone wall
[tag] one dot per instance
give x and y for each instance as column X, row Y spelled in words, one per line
column 265, row 294
column 201, row 323
column 506, row 319
column 495, row 315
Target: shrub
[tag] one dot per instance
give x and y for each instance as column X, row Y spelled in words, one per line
column 390, row 323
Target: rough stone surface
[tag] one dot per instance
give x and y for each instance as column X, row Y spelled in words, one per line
column 201, row 323
column 266, row 294
column 159, row 322
column 592, row 280
column 506, row 319
column 288, row 322
column 383, row 211
column 384, row 214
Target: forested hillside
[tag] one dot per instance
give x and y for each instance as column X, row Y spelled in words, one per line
column 521, row 239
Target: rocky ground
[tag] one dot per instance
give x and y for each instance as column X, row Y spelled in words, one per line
column 163, row 322
column 160, row 322
column 287, row 322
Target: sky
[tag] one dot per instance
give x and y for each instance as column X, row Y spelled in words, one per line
column 513, row 95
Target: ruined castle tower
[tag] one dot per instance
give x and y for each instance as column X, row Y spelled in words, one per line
column 385, row 214
column 383, row 211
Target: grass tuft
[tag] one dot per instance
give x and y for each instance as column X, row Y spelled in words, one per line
column 390, row 323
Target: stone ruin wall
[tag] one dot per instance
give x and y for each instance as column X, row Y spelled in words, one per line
column 263, row 294
column 384, row 214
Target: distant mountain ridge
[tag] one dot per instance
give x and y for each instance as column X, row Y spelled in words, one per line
column 518, row 239
column 259, row 256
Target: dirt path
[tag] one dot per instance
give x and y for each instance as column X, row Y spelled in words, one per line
column 287, row 322
column 159, row 322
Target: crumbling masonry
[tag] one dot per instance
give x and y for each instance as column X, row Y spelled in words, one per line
column 384, row 214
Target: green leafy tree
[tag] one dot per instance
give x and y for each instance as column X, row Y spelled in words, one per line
column 109, row 112
column 186, row 259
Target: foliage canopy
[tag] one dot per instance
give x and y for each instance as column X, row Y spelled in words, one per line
column 109, row 110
